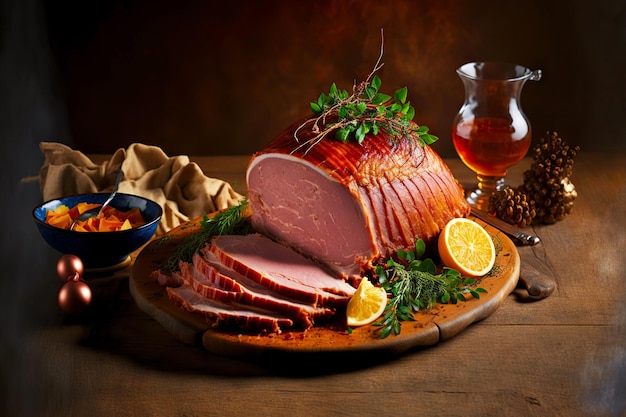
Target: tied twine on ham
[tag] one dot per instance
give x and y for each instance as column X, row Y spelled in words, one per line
column 323, row 216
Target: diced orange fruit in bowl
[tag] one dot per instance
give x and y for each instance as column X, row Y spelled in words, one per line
column 110, row 220
column 466, row 246
column 59, row 217
column 80, row 208
column 366, row 304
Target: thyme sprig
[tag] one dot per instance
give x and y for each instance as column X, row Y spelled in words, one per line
column 232, row 221
column 353, row 116
column 414, row 284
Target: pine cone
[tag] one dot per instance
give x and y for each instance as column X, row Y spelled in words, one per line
column 512, row 206
column 547, row 182
column 557, row 201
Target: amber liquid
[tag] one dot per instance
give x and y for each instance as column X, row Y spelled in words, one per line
column 490, row 146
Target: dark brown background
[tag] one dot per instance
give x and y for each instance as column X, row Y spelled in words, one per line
column 209, row 78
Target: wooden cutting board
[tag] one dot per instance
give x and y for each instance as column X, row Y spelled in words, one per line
column 429, row 328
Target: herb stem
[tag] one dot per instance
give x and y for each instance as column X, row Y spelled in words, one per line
column 415, row 284
column 233, row 220
column 365, row 110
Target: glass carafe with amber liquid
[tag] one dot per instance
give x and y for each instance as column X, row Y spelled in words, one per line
column 490, row 132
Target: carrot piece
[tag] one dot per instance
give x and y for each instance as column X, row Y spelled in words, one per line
column 78, row 227
column 135, row 217
column 111, row 219
column 82, row 207
column 62, row 209
column 126, row 225
column 110, row 224
column 92, row 224
column 62, row 221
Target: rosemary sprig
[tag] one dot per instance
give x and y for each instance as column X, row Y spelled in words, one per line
column 414, row 284
column 231, row 221
column 353, row 116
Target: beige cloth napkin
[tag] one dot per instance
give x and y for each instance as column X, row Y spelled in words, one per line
column 178, row 185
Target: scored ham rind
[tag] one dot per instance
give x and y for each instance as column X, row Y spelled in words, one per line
column 280, row 269
column 348, row 205
column 226, row 315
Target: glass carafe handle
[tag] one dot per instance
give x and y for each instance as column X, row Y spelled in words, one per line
column 535, row 75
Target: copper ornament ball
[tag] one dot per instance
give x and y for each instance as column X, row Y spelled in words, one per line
column 74, row 297
column 68, row 266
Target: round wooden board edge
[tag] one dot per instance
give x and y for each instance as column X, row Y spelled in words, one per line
column 431, row 327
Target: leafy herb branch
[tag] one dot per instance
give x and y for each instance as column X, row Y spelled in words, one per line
column 353, row 116
column 414, row 284
column 232, row 221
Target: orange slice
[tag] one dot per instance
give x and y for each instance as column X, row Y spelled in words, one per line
column 366, row 304
column 465, row 246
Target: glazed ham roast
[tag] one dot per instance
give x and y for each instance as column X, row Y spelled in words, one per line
column 324, row 214
column 347, row 205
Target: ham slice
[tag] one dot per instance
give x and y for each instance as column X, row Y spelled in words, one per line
column 167, row 279
column 280, row 269
column 227, row 315
column 253, row 283
column 348, row 205
column 209, row 280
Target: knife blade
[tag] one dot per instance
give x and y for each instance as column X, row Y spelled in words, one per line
column 522, row 237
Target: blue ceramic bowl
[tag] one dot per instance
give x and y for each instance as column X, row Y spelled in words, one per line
column 99, row 249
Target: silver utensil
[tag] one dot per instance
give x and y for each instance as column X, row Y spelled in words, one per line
column 522, row 237
column 95, row 212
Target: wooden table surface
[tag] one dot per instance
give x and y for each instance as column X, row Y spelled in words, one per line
column 562, row 356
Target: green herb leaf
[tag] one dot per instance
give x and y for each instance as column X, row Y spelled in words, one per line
column 414, row 284
column 366, row 106
column 420, row 248
column 381, row 98
column 376, row 82
column 343, row 134
column 400, row 95
column 360, row 133
column 315, row 108
column 409, row 114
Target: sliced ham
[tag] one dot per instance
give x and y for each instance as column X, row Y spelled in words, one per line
column 348, row 205
column 167, row 279
column 210, row 281
column 280, row 269
column 250, row 282
column 226, row 315
column 217, row 275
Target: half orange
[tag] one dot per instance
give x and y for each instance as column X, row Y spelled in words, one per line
column 466, row 246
